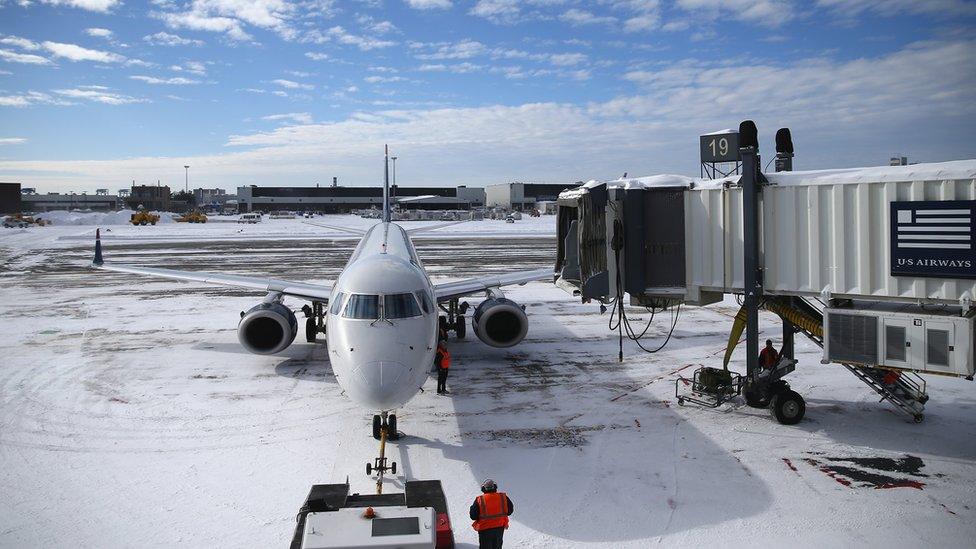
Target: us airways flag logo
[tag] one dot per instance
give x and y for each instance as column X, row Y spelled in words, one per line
column 933, row 239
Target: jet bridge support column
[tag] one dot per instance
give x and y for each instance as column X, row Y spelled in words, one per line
column 752, row 275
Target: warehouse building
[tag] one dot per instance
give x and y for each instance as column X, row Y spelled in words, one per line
column 33, row 202
column 523, row 196
column 338, row 199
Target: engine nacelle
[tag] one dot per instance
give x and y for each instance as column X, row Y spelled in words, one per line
column 499, row 322
column 267, row 328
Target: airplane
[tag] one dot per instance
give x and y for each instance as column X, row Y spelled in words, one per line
column 380, row 317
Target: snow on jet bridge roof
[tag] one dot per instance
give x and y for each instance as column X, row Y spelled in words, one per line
column 933, row 171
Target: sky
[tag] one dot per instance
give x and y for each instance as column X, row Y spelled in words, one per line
column 100, row 93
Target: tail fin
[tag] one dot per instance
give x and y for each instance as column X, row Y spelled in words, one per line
column 387, row 209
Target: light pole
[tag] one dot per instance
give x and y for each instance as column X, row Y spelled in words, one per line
column 186, row 184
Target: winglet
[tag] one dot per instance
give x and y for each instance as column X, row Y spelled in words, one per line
column 97, row 262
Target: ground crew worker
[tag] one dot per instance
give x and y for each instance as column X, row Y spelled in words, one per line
column 490, row 512
column 768, row 357
column 443, row 360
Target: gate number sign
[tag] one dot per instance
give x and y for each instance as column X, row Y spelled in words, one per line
column 935, row 238
column 720, row 147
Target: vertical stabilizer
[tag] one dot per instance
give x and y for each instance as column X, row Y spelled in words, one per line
column 387, row 208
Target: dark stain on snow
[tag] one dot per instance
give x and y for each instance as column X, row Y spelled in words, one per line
column 871, row 472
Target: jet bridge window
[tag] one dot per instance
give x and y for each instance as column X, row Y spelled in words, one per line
column 400, row 306
column 363, row 307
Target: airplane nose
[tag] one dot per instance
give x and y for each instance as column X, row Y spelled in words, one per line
column 383, row 379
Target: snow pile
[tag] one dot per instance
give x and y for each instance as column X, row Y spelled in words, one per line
column 62, row 217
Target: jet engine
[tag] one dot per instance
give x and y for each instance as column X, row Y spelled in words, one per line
column 500, row 322
column 267, row 328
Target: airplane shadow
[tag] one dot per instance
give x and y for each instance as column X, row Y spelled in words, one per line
column 546, row 421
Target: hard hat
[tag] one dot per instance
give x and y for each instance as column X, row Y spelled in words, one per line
column 489, row 486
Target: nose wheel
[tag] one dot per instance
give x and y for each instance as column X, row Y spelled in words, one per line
column 391, row 427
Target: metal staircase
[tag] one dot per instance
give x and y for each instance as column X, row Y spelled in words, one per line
column 905, row 390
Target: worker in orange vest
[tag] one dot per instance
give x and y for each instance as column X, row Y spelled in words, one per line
column 443, row 360
column 768, row 357
column 490, row 512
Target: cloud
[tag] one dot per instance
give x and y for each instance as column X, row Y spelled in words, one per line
column 497, row 11
column 296, row 117
column 193, row 67
column 465, row 49
column 21, row 43
column 567, row 59
column 99, row 33
column 292, row 85
column 339, row 35
column 943, row 8
column 384, row 79
column 175, row 81
column 429, row 4
column 74, row 52
column 25, row 58
column 13, row 140
column 577, row 17
column 167, row 39
column 231, row 16
column 843, row 112
column 642, row 23
column 314, row 56
column 102, row 6
column 456, row 68
column 98, row 94
column 770, row 13
column 29, row 98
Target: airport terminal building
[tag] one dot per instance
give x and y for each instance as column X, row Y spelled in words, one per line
column 339, row 199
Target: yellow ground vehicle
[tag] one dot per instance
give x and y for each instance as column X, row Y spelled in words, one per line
column 142, row 217
column 21, row 221
column 195, row 216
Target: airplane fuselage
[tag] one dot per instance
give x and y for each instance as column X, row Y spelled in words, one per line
column 382, row 321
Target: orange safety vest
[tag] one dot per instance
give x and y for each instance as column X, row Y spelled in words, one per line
column 445, row 358
column 492, row 511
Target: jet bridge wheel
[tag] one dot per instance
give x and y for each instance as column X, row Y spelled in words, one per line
column 787, row 407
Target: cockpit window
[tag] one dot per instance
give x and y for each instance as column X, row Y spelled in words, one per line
column 336, row 303
column 363, row 307
column 400, row 306
column 424, row 300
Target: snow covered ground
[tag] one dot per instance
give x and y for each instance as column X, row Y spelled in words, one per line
column 130, row 416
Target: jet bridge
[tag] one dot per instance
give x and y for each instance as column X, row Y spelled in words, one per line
column 878, row 263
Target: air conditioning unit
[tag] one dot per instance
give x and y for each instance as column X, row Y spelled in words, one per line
column 934, row 339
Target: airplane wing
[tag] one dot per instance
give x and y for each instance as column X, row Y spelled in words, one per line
column 347, row 230
column 417, row 230
column 461, row 288
column 311, row 292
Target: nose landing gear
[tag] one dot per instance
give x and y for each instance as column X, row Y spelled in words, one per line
column 389, row 422
column 384, row 427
